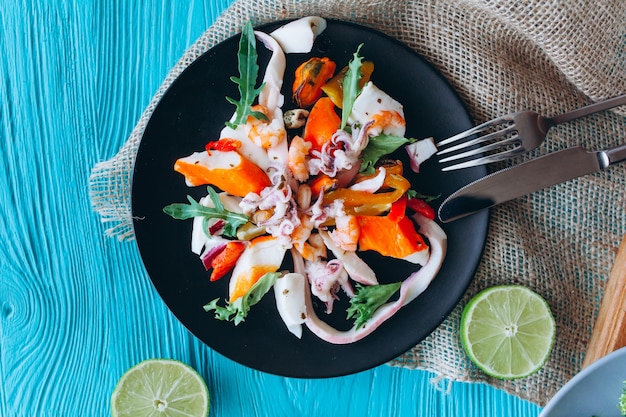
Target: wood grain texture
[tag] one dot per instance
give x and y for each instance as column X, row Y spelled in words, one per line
column 609, row 330
column 76, row 308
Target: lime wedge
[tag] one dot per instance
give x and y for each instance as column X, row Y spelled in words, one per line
column 508, row 331
column 160, row 387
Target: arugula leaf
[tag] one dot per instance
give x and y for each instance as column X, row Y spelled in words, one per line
column 378, row 147
column 181, row 211
column 248, row 73
column 238, row 310
column 350, row 86
column 426, row 198
column 368, row 299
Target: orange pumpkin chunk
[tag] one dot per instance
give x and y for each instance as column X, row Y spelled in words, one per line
column 322, row 123
column 393, row 235
column 227, row 170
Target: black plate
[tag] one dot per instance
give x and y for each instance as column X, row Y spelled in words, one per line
column 192, row 112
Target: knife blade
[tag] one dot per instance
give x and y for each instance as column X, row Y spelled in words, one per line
column 527, row 177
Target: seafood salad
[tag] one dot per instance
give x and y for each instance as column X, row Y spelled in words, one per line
column 314, row 184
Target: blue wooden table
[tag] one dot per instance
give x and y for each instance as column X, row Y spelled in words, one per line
column 77, row 308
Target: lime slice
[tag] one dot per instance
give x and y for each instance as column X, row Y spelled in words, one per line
column 508, row 331
column 160, row 387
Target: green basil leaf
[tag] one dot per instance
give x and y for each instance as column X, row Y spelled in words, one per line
column 378, row 147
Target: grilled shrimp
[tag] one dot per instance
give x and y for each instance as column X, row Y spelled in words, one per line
column 266, row 134
column 298, row 151
column 346, row 233
column 388, row 121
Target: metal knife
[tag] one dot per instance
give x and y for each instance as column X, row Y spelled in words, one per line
column 527, row 177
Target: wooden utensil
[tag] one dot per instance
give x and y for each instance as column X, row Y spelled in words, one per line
column 609, row 330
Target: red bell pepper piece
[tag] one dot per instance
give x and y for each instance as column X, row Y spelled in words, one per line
column 398, row 209
column 224, row 144
column 421, row 207
column 226, row 259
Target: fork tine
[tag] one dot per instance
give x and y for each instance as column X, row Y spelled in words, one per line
column 475, row 129
column 486, row 159
column 478, row 140
column 491, row 147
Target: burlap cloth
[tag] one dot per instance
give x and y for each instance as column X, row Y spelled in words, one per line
column 502, row 56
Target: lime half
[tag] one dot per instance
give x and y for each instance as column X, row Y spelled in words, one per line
column 508, row 331
column 160, row 387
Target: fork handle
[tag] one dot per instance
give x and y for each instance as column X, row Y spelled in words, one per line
column 590, row 109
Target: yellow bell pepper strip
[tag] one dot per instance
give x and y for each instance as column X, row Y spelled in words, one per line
column 334, row 87
column 310, row 76
column 322, row 123
column 353, row 198
column 393, row 166
column 368, row 210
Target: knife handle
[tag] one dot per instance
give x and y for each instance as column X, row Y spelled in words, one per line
column 616, row 154
column 609, row 331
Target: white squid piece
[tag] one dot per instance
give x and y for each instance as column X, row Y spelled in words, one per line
column 298, row 36
column 373, row 184
column 356, row 267
column 289, row 291
column 270, row 96
column 272, row 99
column 259, row 257
column 373, row 104
column 419, row 152
column 201, row 242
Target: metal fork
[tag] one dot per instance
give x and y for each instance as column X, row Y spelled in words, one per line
column 512, row 135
